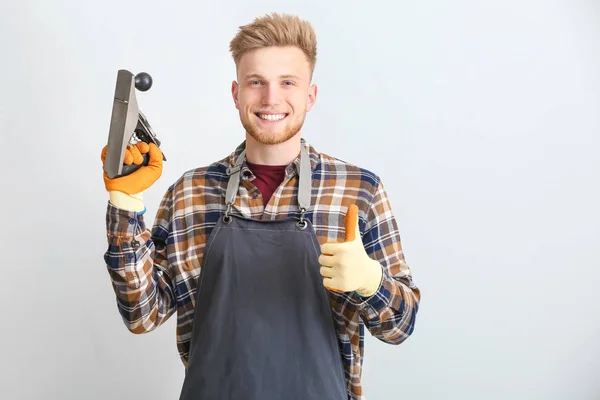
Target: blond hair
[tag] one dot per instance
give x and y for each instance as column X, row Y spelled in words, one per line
column 275, row 30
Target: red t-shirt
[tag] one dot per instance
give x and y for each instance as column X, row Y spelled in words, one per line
column 268, row 178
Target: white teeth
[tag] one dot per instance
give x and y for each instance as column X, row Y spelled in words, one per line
column 271, row 117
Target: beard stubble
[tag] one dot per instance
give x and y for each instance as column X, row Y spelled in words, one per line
column 266, row 137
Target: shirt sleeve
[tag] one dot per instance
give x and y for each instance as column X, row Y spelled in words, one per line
column 390, row 313
column 137, row 264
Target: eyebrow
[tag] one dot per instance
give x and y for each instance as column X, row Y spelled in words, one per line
column 287, row 76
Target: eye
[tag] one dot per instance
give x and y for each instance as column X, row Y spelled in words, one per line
column 255, row 82
column 288, row 83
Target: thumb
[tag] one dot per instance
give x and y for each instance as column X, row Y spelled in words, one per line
column 352, row 229
column 155, row 156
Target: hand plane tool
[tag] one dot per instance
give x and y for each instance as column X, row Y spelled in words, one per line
column 128, row 125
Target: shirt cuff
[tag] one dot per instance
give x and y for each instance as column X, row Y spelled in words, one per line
column 123, row 225
column 375, row 304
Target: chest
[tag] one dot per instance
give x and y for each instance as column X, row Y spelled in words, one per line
column 200, row 212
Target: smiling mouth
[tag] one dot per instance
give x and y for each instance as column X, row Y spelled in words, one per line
column 271, row 117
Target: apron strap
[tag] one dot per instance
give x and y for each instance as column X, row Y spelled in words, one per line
column 234, row 181
column 304, row 185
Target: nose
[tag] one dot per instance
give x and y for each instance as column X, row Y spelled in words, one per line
column 271, row 95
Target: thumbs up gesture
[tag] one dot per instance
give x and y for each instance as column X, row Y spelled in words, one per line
column 345, row 266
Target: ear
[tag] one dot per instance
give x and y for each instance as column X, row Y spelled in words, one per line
column 235, row 91
column 312, row 97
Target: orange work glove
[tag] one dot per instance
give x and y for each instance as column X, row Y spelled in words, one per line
column 142, row 178
column 126, row 191
column 346, row 266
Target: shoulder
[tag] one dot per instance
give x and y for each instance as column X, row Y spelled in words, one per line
column 343, row 183
column 201, row 178
column 347, row 174
column 208, row 177
column 349, row 183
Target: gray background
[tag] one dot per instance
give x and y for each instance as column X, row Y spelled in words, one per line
column 482, row 117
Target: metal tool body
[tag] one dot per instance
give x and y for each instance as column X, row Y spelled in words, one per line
column 128, row 125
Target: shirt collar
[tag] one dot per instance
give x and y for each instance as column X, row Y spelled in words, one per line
column 292, row 168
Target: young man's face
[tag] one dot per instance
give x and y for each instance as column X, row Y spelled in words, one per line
column 273, row 93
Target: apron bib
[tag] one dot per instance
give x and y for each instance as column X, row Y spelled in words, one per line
column 263, row 327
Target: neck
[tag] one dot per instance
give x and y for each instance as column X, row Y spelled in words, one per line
column 276, row 154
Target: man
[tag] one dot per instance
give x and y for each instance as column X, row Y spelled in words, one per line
column 271, row 292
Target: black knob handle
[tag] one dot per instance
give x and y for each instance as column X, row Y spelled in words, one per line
column 143, row 81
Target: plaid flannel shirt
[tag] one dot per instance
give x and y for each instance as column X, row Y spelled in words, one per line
column 154, row 272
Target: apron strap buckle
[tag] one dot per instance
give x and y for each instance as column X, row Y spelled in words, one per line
column 302, row 224
column 226, row 216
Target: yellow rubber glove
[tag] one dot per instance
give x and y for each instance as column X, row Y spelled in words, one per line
column 126, row 192
column 346, row 266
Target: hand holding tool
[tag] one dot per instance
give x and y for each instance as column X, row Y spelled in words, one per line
column 128, row 126
column 132, row 160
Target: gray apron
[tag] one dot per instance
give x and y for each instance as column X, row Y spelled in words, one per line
column 263, row 326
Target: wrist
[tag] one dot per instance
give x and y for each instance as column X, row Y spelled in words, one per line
column 372, row 279
column 133, row 202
